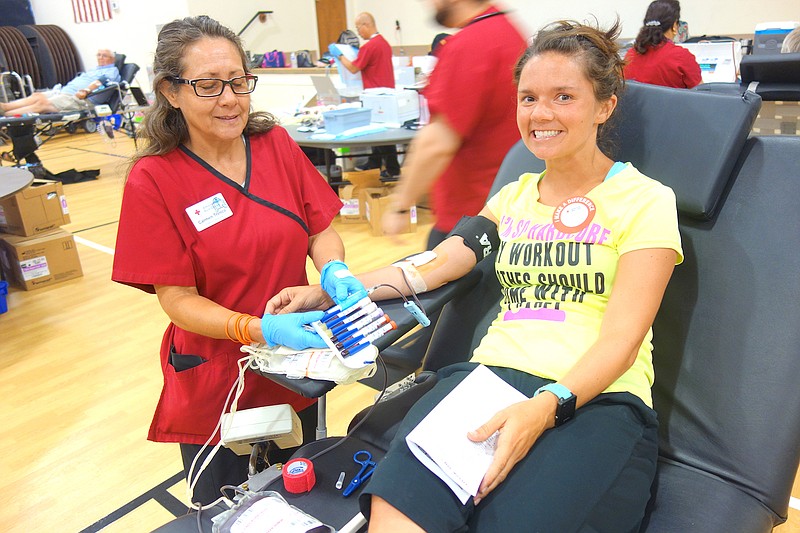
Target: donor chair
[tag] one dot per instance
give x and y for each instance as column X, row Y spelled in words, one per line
column 726, row 341
column 25, row 132
column 727, row 347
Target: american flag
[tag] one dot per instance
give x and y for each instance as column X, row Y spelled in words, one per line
column 91, row 10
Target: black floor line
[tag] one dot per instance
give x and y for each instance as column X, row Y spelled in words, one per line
column 97, row 152
column 158, row 493
column 95, row 227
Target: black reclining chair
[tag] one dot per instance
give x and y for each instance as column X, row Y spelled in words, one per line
column 727, row 351
column 773, row 77
column 776, row 79
column 22, row 131
column 112, row 95
column 727, row 348
column 777, row 76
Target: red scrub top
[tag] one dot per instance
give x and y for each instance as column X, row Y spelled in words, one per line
column 374, row 60
column 252, row 241
column 667, row 64
column 473, row 88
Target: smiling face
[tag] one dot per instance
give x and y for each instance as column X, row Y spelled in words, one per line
column 557, row 111
column 220, row 118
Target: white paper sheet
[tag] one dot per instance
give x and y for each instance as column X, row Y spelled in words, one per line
column 440, row 440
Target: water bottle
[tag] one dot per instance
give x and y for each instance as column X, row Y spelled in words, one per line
column 293, row 60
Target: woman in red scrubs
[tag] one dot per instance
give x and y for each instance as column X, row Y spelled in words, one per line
column 219, row 213
column 654, row 57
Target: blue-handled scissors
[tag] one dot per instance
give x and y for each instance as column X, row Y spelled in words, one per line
column 367, row 467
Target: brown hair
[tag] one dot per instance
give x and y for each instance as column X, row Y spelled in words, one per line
column 164, row 127
column 661, row 15
column 596, row 49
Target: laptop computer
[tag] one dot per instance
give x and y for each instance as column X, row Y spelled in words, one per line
column 138, row 95
column 327, row 94
column 719, row 61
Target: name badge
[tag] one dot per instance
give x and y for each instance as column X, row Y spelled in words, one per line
column 208, row 212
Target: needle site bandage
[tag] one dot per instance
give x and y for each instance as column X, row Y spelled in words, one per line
column 409, row 267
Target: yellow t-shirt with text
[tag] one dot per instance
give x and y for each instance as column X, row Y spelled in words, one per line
column 555, row 286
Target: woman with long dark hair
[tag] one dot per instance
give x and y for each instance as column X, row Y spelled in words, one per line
column 654, row 58
column 220, row 211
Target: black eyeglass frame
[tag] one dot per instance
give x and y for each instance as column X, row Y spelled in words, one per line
column 194, row 82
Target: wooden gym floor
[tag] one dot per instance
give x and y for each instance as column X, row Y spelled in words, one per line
column 79, row 373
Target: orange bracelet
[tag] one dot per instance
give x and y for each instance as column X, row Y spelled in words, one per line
column 246, row 329
column 238, row 331
column 241, row 328
column 227, row 324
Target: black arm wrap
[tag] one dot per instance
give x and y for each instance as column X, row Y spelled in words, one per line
column 479, row 234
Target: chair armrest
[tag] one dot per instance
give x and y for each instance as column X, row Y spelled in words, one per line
column 432, row 301
column 103, row 89
column 380, row 428
column 308, row 388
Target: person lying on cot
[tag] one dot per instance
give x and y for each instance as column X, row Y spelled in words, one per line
column 584, row 251
column 72, row 96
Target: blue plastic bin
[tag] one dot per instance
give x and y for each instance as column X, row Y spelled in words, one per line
column 3, row 292
column 339, row 120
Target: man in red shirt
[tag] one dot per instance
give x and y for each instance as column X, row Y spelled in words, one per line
column 374, row 61
column 472, row 100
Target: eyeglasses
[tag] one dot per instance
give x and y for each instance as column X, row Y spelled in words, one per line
column 211, row 87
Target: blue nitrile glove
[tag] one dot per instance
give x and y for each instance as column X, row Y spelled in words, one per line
column 340, row 284
column 287, row 330
column 334, row 50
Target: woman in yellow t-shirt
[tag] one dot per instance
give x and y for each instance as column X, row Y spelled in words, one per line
column 584, row 252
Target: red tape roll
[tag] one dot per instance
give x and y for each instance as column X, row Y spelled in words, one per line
column 298, row 476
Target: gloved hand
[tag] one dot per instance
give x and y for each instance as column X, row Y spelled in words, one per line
column 287, row 330
column 334, row 50
column 341, row 285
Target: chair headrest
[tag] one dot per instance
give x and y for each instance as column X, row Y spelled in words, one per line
column 119, row 61
column 771, row 68
column 128, row 72
column 688, row 140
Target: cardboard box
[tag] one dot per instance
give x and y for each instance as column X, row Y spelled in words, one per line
column 391, row 105
column 39, row 261
column 39, row 208
column 376, row 201
column 353, row 209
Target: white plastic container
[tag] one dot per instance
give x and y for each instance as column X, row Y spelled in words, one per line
column 391, row 105
column 339, row 120
column 769, row 36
